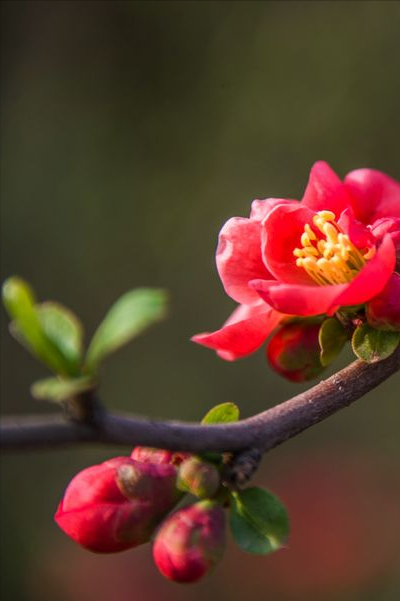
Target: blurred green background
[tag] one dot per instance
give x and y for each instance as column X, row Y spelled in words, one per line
column 130, row 131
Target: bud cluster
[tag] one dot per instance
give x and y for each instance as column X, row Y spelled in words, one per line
column 127, row 501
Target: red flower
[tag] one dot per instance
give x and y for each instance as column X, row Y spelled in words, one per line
column 117, row 504
column 336, row 248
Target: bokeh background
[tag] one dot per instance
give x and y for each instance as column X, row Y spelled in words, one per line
column 130, row 131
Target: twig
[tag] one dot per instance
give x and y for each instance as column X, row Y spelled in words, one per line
column 263, row 431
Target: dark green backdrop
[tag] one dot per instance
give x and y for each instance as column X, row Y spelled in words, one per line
column 130, row 132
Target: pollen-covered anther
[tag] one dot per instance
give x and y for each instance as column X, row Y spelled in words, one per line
column 333, row 259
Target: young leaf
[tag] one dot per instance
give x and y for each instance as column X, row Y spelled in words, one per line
column 58, row 390
column 128, row 317
column 222, row 414
column 258, row 521
column 26, row 326
column 64, row 330
column 18, row 297
column 332, row 336
column 372, row 345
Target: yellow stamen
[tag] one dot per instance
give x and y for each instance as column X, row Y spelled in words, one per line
column 309, row 232
column 330, row 232
column 333, row 259
column 368, row 255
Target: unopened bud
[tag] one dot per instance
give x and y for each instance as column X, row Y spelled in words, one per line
column 200, row 478
column 383, row 311
column 190, row 542
column 294, row 351
column 117, row 504
column 152, row 455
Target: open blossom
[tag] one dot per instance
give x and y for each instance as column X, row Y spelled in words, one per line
column 339, row 247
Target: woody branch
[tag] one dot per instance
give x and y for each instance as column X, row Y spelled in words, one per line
column 263, row 431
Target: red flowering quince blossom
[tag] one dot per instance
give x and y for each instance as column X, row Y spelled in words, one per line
column 338, row 247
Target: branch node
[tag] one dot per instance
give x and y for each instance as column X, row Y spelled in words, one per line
column 85, row 408
column 240, row 468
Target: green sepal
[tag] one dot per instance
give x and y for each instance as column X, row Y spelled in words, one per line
column 332, row 336
column 258, row 521
column 372, row 345
column 212, row 457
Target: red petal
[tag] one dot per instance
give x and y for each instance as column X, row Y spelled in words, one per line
column 360, row 235
column 239, row 258
column 297, row 299
column 311, row 300
column 95, row 484
column 243, row 333
column 388, row 226
column 325, row 191
column 261, row 208
column 372, row 278
column 374, row 194
column 281, row 233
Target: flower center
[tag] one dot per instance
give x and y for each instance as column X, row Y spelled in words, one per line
column 332, row 259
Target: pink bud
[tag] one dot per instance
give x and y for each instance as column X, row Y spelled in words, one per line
column 198, row 477
column 383, row 311
column 294, row 351
column 151, row 455
column 190, row 542
column 117, row 504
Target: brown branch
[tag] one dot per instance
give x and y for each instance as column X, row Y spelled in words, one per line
column 263, row 431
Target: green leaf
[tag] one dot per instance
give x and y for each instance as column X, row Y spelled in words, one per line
column 372, row 345
column 222, row 414
column 258, row 521
column 129, row 316
column 18, row 297
column 26, row 326
column 58, row 390
column 332, row 336
column 64, row 330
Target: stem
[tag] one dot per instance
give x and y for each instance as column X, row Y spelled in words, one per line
column 263, row 431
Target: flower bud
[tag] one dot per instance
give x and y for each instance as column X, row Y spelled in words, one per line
column 294, row 351
column 117, row 504
column 190, row 542
column 383, row 311
column 198, row 477
column 152, row 455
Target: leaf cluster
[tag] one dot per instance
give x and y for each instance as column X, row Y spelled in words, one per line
column 258, row 521
column 54, row 335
